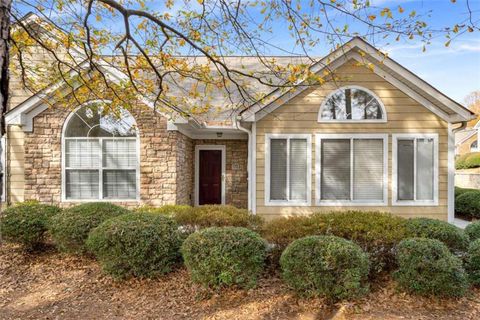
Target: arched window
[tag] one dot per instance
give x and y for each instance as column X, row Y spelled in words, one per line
column 352, row 103
column 474, row 146
column 100, row 155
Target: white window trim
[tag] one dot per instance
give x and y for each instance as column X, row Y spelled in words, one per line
column 268, row 138
column 384, row 110
column 100, row 167
column 223, row 149
column 414, row 136
column 318, row 168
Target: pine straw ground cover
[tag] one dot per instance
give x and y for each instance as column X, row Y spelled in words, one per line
column 55, row 286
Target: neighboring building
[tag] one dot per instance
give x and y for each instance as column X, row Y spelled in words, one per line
column 376, row 139
column 466, row 141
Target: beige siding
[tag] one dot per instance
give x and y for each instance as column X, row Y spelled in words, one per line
column 15, row 164
column 404, row 115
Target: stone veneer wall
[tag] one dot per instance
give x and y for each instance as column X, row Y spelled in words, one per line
column 166, row 162
column 236, row 189
column 185, row 169
column 158, row 156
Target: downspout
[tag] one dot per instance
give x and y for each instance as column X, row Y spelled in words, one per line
column 249, row 161
column 451, row 169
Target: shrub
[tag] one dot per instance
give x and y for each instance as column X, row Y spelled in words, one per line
column 468, row 204
column 169, row 210
column 26, row 223
column 377, row 233
column 217, row 216
column 142, row 245
column 224, row 256
column 327, row 266
column 473, row 230
column 455, row 238
column 468, row 161
column 427, row 267
column 472, row 264
column 459, row 191
column 70, row 228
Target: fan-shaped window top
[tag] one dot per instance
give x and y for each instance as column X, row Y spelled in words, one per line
column 89, row 121
column 352, row 104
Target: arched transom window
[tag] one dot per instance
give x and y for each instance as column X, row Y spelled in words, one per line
column 352, row 104
column 100, row 155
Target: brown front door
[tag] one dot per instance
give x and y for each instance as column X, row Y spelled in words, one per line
column 210, row 177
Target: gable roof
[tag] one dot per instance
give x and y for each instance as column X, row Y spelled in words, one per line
column 400, row 77
column 357, row 48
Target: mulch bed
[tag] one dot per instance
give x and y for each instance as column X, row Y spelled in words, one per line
column 50, row 285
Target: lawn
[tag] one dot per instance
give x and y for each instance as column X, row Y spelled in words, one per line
column 51, row 285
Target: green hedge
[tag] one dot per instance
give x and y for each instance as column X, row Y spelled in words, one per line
column 427, row 267
column 70, row 228
column 472, row 264
column 325, row 266
column 224, row 256
column 200, row 217
column 169, row 210
column 455, row 238
column 468, row 161
column 468, row 204
column 142, row 245
column 473, row 230
column 459, row 191
column 377, row 233
column 26, row 223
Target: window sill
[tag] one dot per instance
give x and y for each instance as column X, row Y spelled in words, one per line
column 287, row 203
column 100, row 200
column 351, row 204
column 415, row 203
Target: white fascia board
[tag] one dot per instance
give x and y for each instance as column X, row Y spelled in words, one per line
column 327, row 62
column 414, row 79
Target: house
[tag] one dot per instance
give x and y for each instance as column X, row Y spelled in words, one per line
column 466, row 141
column 376, row 138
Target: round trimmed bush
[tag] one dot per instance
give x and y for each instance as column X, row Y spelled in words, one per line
column 468, row 204
column 26, row 223
column 455, row 238
column 134, row 244
column 427, row 267
column 224, row 256
column 472, row 264
column 70, row 228
column 473, row 230
column 325, row 266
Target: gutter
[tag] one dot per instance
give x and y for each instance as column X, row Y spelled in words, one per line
column 249, row 160
column 463, row 126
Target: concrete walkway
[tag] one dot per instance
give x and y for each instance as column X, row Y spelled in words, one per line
column 460, row 223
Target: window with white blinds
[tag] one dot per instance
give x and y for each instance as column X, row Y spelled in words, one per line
column 415, row 169
column 351, row 169
column 100, row 156
column 287, row 171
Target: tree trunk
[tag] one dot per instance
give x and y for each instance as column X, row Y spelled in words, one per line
column 5, row 6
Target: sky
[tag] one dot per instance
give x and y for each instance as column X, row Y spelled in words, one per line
column 454, row 70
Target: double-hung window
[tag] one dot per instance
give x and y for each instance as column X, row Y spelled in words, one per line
column 415, row 169
column 288, row 169
column 351, row 169
column 100, row 156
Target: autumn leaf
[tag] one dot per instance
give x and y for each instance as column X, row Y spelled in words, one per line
column 372, row 17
